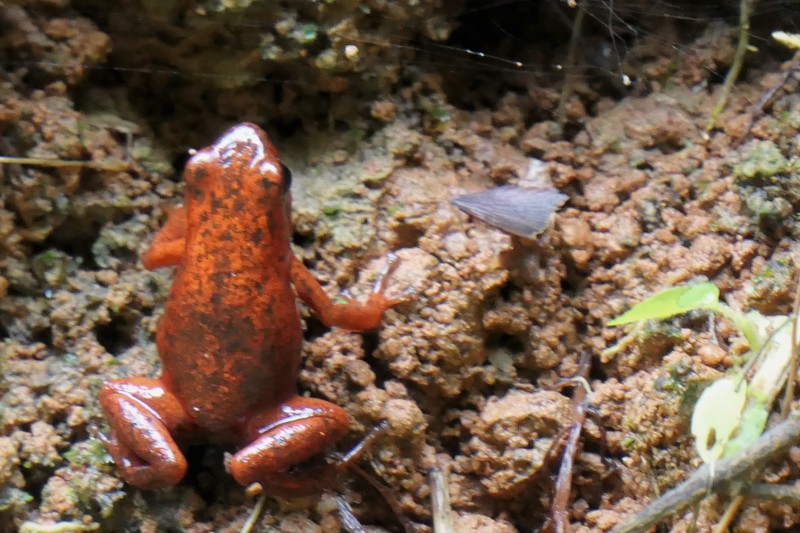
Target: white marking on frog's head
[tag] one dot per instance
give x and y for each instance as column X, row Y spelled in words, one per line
column 268, row 167
column 233, row 143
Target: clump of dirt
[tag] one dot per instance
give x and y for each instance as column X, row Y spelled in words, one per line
column 465, row 372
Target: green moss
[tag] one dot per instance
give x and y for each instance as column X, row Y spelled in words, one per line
column 760, row 161
column 82, row 490
column 769, row 287
column 51, row 267
column 767, row 206
column 332, row 210
column 690, row 395
column 675, row 380
column 13, row 500
column 657, row 338
column 88, row 453
column 48, row 259
column 352, row 235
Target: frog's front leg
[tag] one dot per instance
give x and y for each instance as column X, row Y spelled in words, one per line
column 286, row 436
column 355, row 316
column 169, row 243
column 143, row 417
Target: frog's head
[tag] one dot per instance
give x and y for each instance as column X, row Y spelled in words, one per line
column 241, row 171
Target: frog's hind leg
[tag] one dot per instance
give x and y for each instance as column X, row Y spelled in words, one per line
column 290, row 434
column 143, row 416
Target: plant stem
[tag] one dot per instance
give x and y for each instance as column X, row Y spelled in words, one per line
column 741, row 321
column 745, row 11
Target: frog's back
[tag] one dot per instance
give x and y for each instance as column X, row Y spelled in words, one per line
column 230, row 337
column 224, row 351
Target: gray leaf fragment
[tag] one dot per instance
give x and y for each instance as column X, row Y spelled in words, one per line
column 518, row 210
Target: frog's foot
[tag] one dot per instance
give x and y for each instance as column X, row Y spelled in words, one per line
column 296, row 432
column 365, row 316
column 142, row 416
column 379, row 289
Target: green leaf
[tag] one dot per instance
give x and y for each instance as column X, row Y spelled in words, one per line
column 671, row 302
column 717, row 415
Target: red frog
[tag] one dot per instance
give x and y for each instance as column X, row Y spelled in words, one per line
column 230, row 337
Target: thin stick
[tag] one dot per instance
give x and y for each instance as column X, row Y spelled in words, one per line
column 255, row 514
column 440, row 502
column 569, row 67
column 788, row 397
column 758, row 108
column 350, row 523
column 745, row 11
column 768, row 446
column 362, row 446
column 63, row 163
column 730, row 513
column 388, row 495
column 774, row 493
column 560, row 507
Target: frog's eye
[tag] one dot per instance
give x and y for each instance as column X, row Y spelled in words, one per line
column 287, row 178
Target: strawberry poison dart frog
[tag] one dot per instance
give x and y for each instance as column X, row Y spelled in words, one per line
column 230, row 337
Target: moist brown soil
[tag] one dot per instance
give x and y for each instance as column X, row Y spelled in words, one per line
column 379, row 140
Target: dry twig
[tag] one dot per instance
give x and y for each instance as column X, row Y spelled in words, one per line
column 389, row 495
column 745, row 12
column 788, row 397
column 255, row 514
column 349, row 521
column 569, row 65
column 560, row 507
column 440, row 502
column 113, row 165
column 758, row 108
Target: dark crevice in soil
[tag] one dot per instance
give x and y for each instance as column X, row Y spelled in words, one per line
column 381, row 368
column 287, row 128
column 179, row 161
column 43, row 335
column 118, row 335
column 574, row 282
column 370, row 343
column 208, row 480
column 75, row 238
column 500, row 340
column 571, row 130
column 314, row 328
column 302, row 240
column 596, row 372
column 452, row 445
column 528, row 375
column 407, row 235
